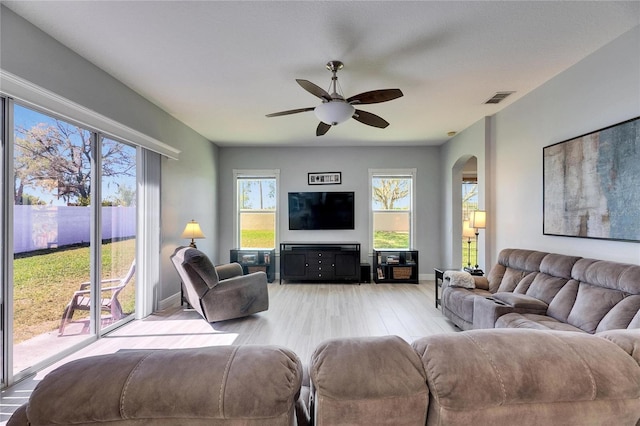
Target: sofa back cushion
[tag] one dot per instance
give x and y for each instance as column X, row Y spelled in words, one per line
column 508, row 370
column 200, row 268
column 232, row 385
column 514, row 267
column 622, row 315
column 368, row 380
column 561, row 305
column 592, row 304
column 601, row 295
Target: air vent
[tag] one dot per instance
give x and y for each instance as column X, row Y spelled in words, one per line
column 498, row 97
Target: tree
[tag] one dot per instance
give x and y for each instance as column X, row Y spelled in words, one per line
column 57, row 158
column 387, row 191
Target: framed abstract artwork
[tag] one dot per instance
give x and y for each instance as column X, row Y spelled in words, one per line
column 591, row 184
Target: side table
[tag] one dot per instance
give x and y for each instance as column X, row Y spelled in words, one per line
column 439, row 272
column 439, row 279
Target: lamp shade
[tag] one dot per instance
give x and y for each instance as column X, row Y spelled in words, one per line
column 467, row 230
column 192, row 231
column 334, row 112
column 478, row 219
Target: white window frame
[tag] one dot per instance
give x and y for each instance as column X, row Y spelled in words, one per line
column 258, row 174
column 389, row 173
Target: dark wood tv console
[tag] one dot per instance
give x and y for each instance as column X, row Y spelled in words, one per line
column 325, row 262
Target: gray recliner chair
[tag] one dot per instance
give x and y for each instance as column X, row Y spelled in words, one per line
column 222, row 292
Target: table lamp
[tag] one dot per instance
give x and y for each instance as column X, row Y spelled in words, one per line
column 193, row 231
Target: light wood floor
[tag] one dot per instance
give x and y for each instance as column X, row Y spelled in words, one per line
column 300, row 316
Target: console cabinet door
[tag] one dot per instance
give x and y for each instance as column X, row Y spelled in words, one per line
column 347, row 266
column 294, row 265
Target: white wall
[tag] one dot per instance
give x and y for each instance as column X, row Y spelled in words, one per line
column 354, row 163
column 599, row 91
column 189, row 186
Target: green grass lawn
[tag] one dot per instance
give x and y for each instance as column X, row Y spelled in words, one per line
column 386, row 239
column 43, row 284
column 266, row 239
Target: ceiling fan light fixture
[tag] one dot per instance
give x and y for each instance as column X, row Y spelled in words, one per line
column 334, row 112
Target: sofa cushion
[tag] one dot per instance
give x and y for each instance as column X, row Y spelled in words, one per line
column 628, row 340
column 513, row 384
column 561, row 305
column 257, row 385
column 613, row 275
column 592, row 304
column 515, row 265
column 368, row 380
column 200, row 268
column 534, row 321
column 545, row 287
column 621, row 315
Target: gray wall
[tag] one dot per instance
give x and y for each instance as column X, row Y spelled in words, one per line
column 189, row 185
column 354, row 163
column 601, row 90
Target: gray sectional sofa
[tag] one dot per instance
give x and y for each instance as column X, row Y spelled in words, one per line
column 477, row 377
column 548, row 291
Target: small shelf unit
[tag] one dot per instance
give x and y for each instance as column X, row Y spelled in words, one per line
column 395, row 266
column 254, row 260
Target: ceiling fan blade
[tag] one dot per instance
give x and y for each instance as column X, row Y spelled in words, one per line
column 322, row 128
column 370, row 119
column 291, row 111
column 375, row 96
column 314, row 89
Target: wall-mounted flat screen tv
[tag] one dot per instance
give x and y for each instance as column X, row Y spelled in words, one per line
column 321, row 210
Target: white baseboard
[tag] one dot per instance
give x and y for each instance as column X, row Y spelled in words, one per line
column 170, row 301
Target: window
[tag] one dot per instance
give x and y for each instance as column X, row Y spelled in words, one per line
column 256, row 208
column 469, row 205
column 392, row 204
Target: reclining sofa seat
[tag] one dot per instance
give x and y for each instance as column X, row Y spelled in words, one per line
column 548, row 291
column 514, row 266
column 600, row 296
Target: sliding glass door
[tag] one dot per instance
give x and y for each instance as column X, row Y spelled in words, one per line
column 52, row 163
column 118, row 232
column 73, row 261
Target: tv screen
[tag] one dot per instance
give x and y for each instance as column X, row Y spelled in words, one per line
column 321, row 210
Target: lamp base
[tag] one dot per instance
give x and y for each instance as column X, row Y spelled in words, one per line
column 474, row 271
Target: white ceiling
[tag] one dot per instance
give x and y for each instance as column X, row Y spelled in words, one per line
column 219, row 67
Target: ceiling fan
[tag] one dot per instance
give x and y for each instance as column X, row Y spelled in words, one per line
column 335, row 109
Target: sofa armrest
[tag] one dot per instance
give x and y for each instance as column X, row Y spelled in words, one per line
column 19, row 417
column 522, row 302
column 487, row 310
column 627, row 339
column 481, row 282
column 229, row 270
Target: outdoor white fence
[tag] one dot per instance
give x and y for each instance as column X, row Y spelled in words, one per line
column 43, row 227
